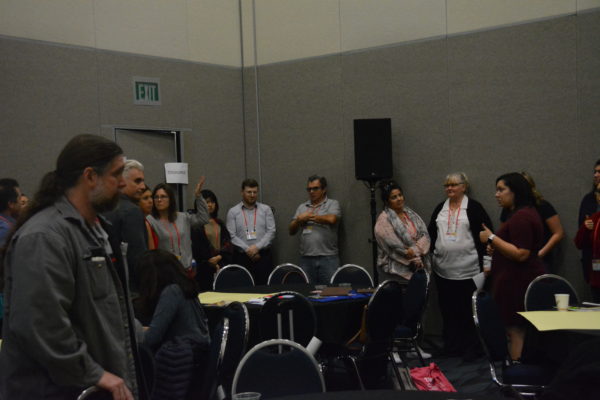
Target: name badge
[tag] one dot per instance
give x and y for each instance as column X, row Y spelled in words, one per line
column 251, row 235
column 596, row 265
column 451, row 236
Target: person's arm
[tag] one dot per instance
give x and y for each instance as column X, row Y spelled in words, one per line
column 133, row 233
column 299, row 220
column 42, row 295
column 115, row 385
column 201, row 217
column 555, row 227
column 507, row 249
column 270, row 233
column 169, row 301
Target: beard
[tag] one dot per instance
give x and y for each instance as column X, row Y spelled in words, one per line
column 101, row 202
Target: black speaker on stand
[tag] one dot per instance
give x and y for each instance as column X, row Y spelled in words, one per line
column 372, row 163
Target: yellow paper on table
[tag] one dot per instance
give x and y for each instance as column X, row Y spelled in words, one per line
column 224, row 298
column 569, row 320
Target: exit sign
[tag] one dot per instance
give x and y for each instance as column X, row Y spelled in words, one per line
column 146, row 91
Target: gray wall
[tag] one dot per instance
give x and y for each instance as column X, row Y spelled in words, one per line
column 51, row 93
column 524, row 97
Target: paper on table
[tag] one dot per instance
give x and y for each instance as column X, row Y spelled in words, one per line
column 217, row 297
column 557, row 320
column 479, row 280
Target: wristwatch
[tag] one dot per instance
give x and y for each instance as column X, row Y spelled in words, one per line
column 490, row 238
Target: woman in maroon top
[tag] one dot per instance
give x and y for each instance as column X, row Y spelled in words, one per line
column 515, row 261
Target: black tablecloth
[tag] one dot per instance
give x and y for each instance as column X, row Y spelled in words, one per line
column 337, row 321
column 383, row 395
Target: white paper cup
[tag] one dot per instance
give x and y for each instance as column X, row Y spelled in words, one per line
column 246, row 396
column 562, row 301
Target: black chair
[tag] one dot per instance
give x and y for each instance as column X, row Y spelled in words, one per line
column 525, row 379
column 218, row 344
column 356, row 275
column 414, row 302
column 369, row 351
column 287, row 274
column 94, row 393
column 238, row 319
column 232, row 276
column 288, row 315
column 540, row 292
column 277, row 368
column 148, row 367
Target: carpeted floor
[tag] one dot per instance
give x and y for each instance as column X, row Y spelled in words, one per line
column 468, row 377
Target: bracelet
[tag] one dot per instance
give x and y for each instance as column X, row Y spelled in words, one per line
column 490, row 238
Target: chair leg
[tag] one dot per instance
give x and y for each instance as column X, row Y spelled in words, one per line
column 396, row 369
column 355, row 365
column 418, row 351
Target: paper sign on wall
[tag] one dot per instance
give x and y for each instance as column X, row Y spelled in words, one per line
column 176, row 173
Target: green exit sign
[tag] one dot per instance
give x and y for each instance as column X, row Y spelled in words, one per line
column 146, row 91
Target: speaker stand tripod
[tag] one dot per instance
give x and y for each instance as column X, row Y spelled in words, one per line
column 372, row 185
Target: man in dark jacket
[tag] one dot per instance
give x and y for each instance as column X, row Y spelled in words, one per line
column 128, row 220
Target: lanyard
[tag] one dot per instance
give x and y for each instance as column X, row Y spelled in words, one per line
column 407, row 218
column 456, row 223
column 246, row 221
column 171, row 237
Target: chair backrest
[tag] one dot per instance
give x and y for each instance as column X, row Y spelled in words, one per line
column 148, row 367
column 216, row 356
column 540, row 292
column 490, row 327
column 272, row 373
column 287, row 273
column 232, row 276
column 288, row 315
column 237, row 338
column 415, row 300
column 353, row 274
column 382, row 312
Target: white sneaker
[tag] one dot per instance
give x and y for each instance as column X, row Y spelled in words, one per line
column 424, row 354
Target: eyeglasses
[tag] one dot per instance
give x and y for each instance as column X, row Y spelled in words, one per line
column 313, row 189
column 446, row 185
column 161, row 197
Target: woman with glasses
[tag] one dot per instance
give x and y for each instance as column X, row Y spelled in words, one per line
column 402, row 238
column 588, row 237
column 173, row 228
column 515, row 261
column 457, row 257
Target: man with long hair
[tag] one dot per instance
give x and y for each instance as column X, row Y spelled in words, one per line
column 68, row 322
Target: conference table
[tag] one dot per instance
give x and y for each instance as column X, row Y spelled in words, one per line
column 551, row 335
column 337, row 321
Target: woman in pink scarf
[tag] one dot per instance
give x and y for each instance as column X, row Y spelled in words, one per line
column 402, row 238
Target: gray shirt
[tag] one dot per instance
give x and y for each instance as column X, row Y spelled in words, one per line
column 319, row 239
column 176, row 316
column 249, row 227
column 176, row 236
column 66, row 310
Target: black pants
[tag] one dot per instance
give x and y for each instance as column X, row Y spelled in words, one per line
column 454, row 297
column 260, row 269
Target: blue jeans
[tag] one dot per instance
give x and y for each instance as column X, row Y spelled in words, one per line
column 319, row 269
